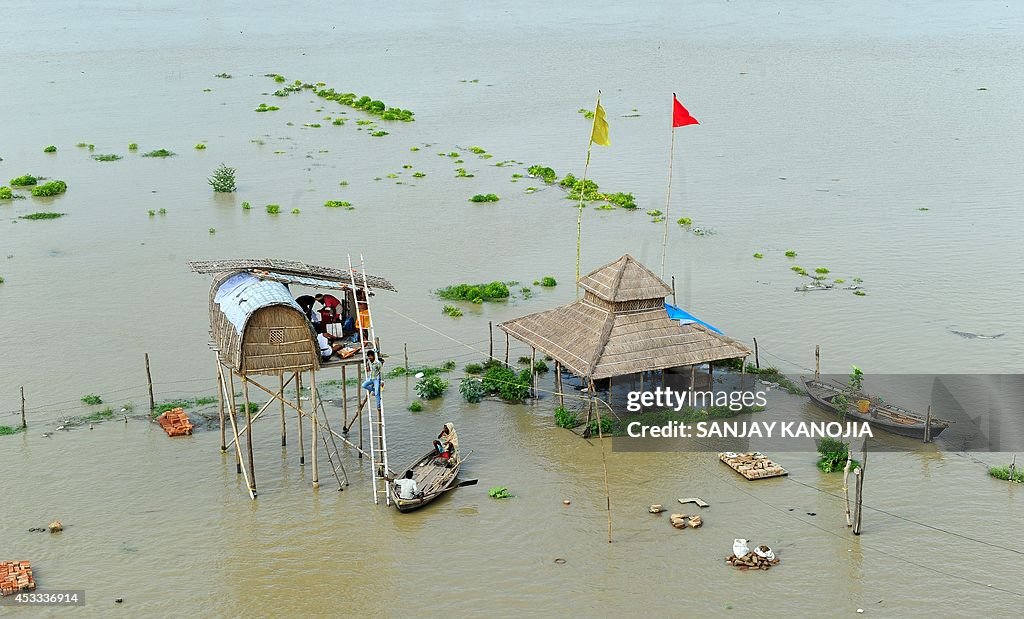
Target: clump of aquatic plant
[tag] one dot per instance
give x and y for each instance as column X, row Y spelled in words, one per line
column 223, row 76
column 91, row 146
column 462, row 173
column 588, row 189
column 338, row 122
column 798, row 270
column 454, row 155
column 588, row 114
column 523, row 360
column 223, row 179
column 37, row 216
column 263, row 107
column 488, row 197
column 108, row 157
column 152, row 213
column 50, row 149
column 684, row 221
column 339, row 204
column 311, row 125
column 430, row 387
column 273, row 209
column 821, row 271
column 608, row 426
column 213, row 231
column 790, row 253
column 81, row 145
column 92, row 399
column 499, row 492
column 475, row 293
column 477, row 150
column 200, row 146
column 343, row 183
column 6, row 193
column 859, row 293
column 379, row 134
column 472, row 390
column 655, row 213
column 473, row 368
column 540, row 366
column 160, row 152
column 52, row 188
column 451, row 310
column 133, row 146
column 548, row 282
column 9, row 431
column 416, row 406
column 162, row 211
column 295, row 211
column 277, row 77
column 24, row 180
column 622, row 200
column 507, row 383
column 833, row 455
column 759, row 255
column 565, row 418
column 246, row 206
column 1005, row 473
column 418, row 174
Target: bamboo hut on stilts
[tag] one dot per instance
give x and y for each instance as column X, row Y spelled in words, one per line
column 259, row 332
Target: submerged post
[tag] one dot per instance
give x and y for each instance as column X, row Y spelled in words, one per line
column 558, row 384
column 23, row 424
column 757, row 360
column 221, row 387
column 284, row 427
column 344, row 401
column 405, row 350
column 533, row 373
column 674, row 290
column 860, row 487
column 313, row 429
column 817, row 361
column 490, row 335
column 298, row 409
column 604, row 462
column 149, row 379
column 928, row 425
column 248, row 435
column 506, row 349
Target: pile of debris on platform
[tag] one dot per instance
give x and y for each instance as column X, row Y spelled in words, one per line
column 752, row 465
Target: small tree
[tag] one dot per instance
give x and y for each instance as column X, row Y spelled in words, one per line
column 223, row 179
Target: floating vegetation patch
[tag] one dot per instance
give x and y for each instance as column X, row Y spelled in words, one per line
column 472, row 390
column 506, row 383
column 167, row 405
column 81, row 145
column 526, row 293
column 655, row 213
column 263, row 107
column 1006, row 473
column 451, row 310
column 367, row 104
column 92, row 399
column 758, row 255
column 588, row 114
column 622, row 200
column 6, row 193
column 431, row 387
column 499, row 492
column 52, row 188
column 273, row 209
column 339, row 204
column 24, row 180
column 8, row 430
column 223, row 179
column 453, row 155
column 160, row 152
column 213, row 231
column 37, row 216
column 475, row 293
column 246, row 206
column 859, row 293
column 540, row 366
column 703, row 231
column 223, row 76
column 473, row 368
column 110, row 157
column 548, row 282
column 485, row 197
column 379, row 134
column 565, row 418
column 162, row 211
column 295, row 211
column 462, row 173
column 476, row 150
column 790, row 253
column 50, row 149
column 200, row 146
column 418, row 174
column 133, row 146
column 416, row 406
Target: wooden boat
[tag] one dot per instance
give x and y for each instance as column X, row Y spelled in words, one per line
column 880, row 415
column 434, row 476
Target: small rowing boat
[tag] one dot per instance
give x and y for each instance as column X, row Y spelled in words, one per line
column 879, row 415
column 434, row 475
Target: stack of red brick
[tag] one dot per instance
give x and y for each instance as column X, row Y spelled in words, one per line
column 175, row 422
column 16, row 576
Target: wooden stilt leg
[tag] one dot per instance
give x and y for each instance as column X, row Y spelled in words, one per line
column 220, row 406
column 314, row 429
column 298, row 408
column 234, row 419
column 344, row 399
column 248, row 435
column 284, row 427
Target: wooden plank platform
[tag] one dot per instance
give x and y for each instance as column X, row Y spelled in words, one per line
column 752, row 465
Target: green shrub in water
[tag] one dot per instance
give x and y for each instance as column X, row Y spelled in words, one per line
column 339, row 204
column 833, row 455
column 790, row 253
column 759, row 255
column 50, row 149
column 133, row 146
column 416, row 406
column 684, row 221
column 548, row 282
column 92, row 399
column 473, row 368
column 480, row 197
column 430, row 387
column 160, row 152
column 24, row 181
column 109, row 157
column 470, row 292
column 273, row 209
column 6, row 193
column 499, row 492
column 451, row 310
column 223, row 179
column 565, row 418
column 52, row 188
column 472, row 390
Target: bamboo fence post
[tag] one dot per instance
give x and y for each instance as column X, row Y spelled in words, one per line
column 533, row 373
column 234, row 421
column 313, row 429
column 693, row 377
column 673, row 283
column 405, row 349
column 817, row 362
column 711, row 375
column 490, row 334
column 248, row 434
column 928, row 426
column 284, row 427
column 558, row 384
column 149, row 380
column 757, row 360
column 860, row 488
column 1013, row 468
column 23, row 424
column 610, row 379
column 344, row 400
column 604, row 461
column 298, row 408
column 220, row 406
column 846, row 485
column 506, row 349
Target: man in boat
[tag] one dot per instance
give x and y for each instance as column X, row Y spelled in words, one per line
column 406, row 486
column 446, row 444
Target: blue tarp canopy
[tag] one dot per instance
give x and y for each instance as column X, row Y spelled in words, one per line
column 685, row 317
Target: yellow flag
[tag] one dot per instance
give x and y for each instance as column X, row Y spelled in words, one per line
column 600, row 132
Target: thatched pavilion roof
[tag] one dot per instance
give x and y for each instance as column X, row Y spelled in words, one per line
column 292, row 272
column 620, row 327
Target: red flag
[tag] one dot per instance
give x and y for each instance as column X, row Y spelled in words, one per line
column 681, row 117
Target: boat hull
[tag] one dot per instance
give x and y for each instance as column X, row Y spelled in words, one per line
column 882, row 417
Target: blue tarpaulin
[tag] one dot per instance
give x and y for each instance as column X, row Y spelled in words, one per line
column 685, row 317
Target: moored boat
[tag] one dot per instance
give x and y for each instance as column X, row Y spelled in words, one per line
column 434, row 475
column 879, row 415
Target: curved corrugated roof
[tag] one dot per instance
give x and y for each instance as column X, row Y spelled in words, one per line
column 240, row 295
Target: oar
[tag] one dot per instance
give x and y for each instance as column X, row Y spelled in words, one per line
column 468, row 482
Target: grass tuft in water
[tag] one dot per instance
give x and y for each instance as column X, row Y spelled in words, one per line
column 109, row 157
column 273, row 209
column 160, row 152
column 25, row 180
column 485, row 197
column 52, row 188
column 50, row 149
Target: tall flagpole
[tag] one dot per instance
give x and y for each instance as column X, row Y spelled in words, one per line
column 583, row 184
column 668, row 198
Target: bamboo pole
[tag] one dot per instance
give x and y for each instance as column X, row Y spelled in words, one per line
column 506, row 349
column 298, row 408
column 673, row 284
column 405, row 350
column 248, row 435
column 757, row 360
column 360, row 413
column 817, row 362
column 928, row 425
column 220, row 405
column 284, row 426
column 344, row 400
column 149, row 380
column 1013, row 468
column 582, row 185
column 533, row 373
column 860, row 488
column 490, row 335
column 604, row 462
column 668, row 199
column 693, row 379
column 610, row 379
column 234, row 422
column 314, row 431
column 846, row 485
column 558, row 384
column 23, row 423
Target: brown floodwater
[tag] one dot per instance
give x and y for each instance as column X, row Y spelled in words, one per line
column 824, row 130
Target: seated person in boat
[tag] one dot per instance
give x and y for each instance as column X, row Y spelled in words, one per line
column 406, row 486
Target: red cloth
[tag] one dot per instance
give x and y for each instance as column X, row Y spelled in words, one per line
column 680, row 116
